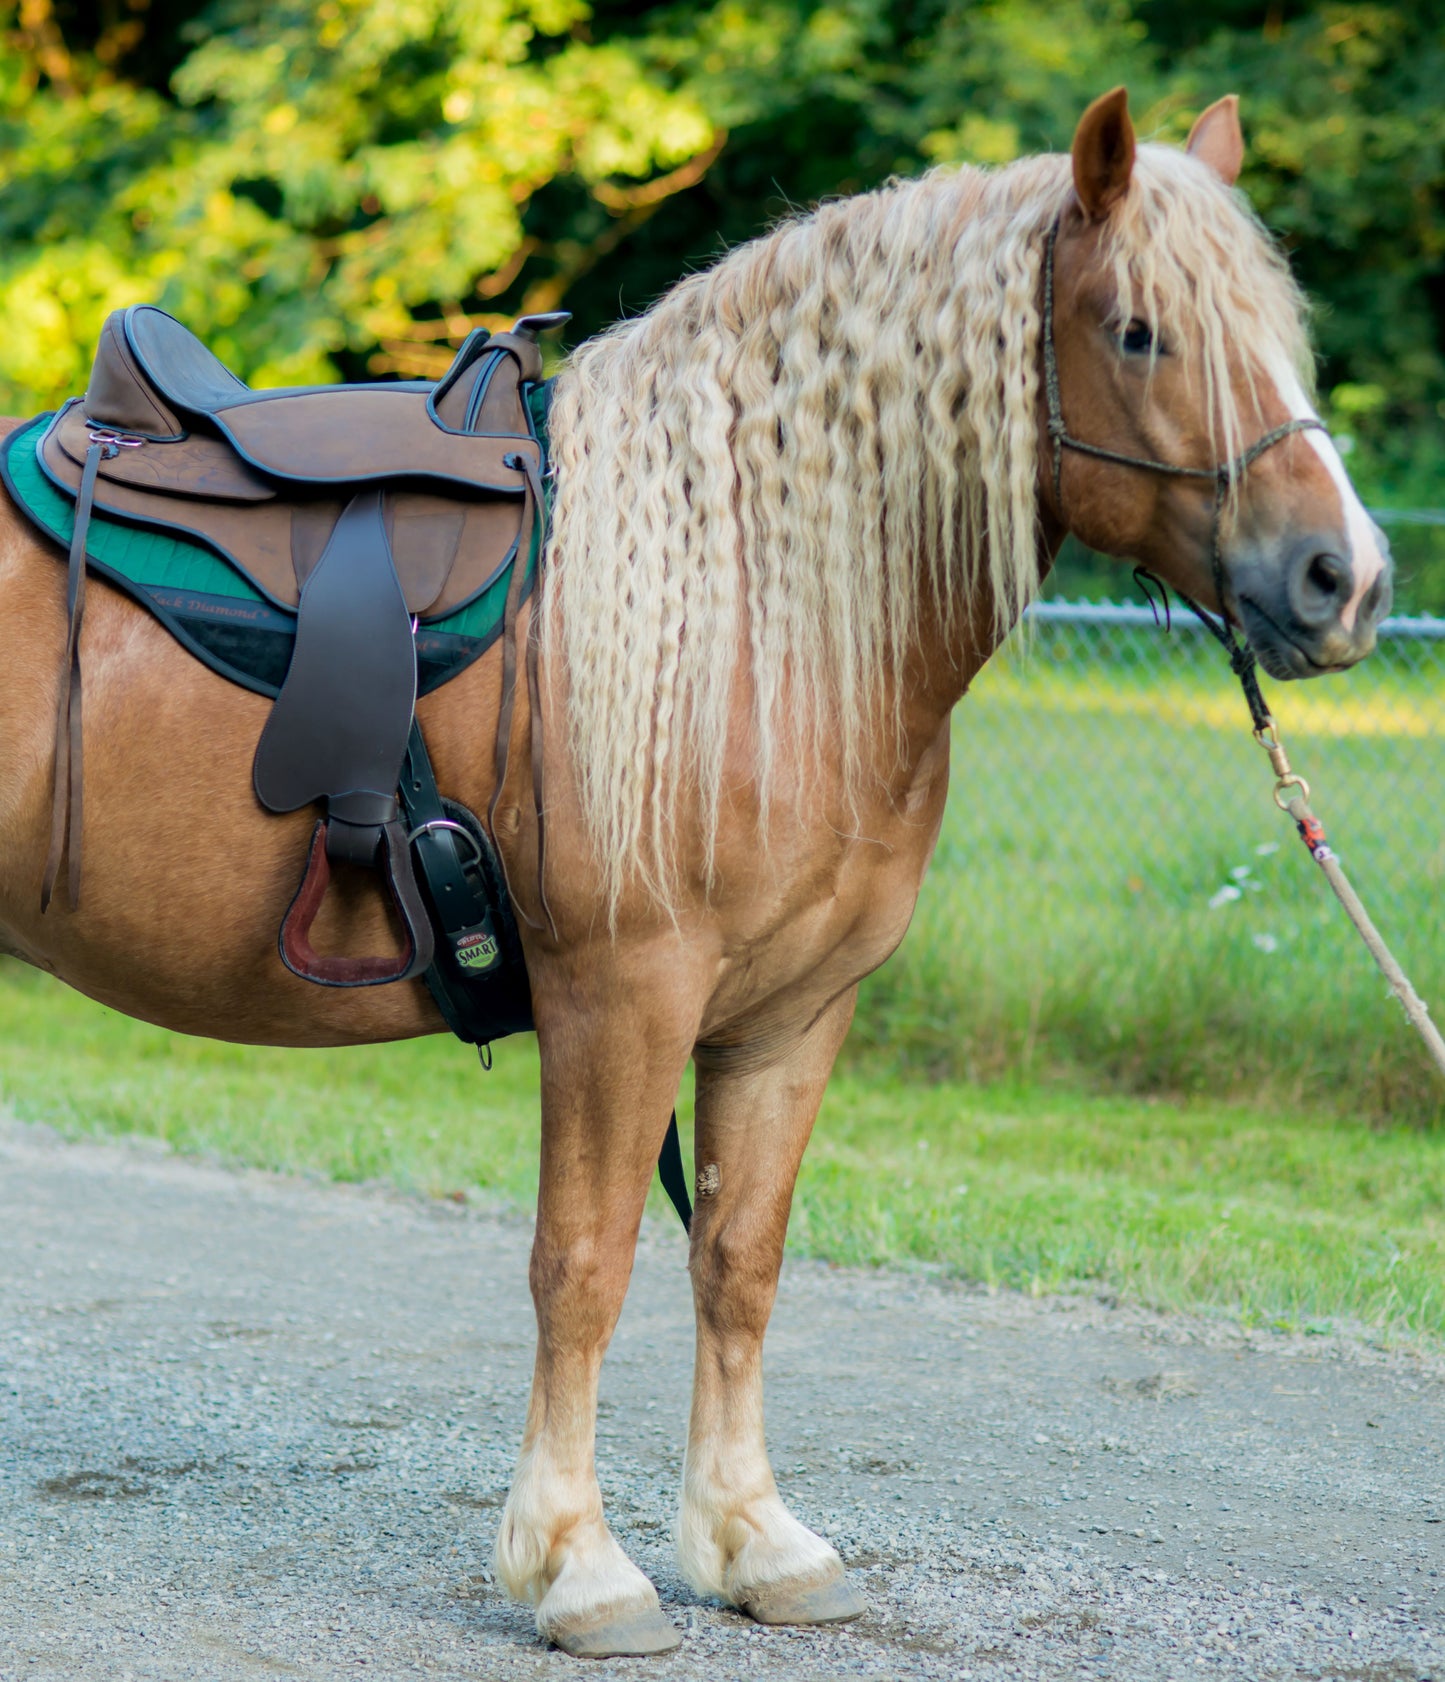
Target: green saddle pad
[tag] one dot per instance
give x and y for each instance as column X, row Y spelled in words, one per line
column 206, row 603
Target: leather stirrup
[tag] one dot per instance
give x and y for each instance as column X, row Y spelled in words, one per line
column 394, row 862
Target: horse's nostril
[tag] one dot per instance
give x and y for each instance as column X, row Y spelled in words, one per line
column 1377, row 599
column 1326, row 574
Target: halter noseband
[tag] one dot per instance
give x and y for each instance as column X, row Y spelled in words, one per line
column 1223, row 477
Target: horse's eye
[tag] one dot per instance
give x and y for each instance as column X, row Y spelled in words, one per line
column 1136, row 337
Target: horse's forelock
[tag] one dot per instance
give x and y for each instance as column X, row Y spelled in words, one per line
column 1190, row 257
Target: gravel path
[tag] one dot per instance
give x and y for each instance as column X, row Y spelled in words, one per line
column 255, row 1426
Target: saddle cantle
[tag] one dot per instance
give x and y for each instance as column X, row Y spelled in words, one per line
column 365, row 510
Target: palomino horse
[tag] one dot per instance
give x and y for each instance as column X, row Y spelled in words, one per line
column 797, row 506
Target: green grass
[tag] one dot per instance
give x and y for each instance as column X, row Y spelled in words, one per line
column 1102, row 797
column 1078, row 1072
column 1297, row 1219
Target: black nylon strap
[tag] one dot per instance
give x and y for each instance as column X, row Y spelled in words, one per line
column 673, row 1175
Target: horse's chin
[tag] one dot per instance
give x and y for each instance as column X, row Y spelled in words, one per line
column 1283, row 662
column 1279, row 656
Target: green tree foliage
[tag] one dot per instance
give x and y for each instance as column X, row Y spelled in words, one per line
column 315, row 183
column 1341, row 104
column 330, row 188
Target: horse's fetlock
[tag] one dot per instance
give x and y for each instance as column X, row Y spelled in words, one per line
column 737, row 1550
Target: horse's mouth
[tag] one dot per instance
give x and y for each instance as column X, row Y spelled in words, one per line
column 1276, row 650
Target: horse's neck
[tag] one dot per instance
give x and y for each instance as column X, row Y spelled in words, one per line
column 948, row 655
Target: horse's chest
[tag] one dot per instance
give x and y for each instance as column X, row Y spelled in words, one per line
column 845, row 915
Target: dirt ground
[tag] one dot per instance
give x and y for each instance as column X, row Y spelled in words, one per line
column 255, row 1426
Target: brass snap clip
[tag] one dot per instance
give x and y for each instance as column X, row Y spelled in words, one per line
column 1267, row 735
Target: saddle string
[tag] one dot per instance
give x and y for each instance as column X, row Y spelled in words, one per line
column 1224, row 477
column 534, row 698
column 67, row 800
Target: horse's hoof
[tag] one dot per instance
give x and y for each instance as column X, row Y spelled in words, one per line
column 633, row 1636
column 833, row 1602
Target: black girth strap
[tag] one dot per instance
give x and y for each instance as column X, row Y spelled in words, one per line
column 478, row 976
column 673, row 1175
column 1223, row 477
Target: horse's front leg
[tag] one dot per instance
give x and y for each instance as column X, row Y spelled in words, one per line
column 613, row 1054
column 736, row 1538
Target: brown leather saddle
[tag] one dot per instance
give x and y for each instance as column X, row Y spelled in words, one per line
column 367, row 509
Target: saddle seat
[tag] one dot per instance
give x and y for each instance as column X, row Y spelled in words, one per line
column 261, row 476
column 362, row 509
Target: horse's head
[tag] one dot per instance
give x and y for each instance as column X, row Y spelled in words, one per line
column 1178, row 343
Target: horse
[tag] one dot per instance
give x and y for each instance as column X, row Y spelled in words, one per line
column 797, row 505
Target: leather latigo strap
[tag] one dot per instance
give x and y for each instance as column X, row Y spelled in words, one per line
column 509, row 707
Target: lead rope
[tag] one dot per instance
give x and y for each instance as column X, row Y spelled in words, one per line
column 1312, row 833
column 1311, row 830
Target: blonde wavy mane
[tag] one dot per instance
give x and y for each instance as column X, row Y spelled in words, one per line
column 795, row 454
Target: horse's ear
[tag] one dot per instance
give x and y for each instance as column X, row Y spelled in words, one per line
column 1103, row 153
column 1216, row 139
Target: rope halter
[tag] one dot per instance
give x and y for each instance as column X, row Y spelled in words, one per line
column 1222, row 477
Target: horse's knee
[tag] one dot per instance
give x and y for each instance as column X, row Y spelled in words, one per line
column 577, row 1277
column 734, row 1268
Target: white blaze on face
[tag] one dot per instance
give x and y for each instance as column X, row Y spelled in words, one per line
column 1366, row 553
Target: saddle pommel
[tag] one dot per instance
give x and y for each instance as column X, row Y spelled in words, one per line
column 533, row 326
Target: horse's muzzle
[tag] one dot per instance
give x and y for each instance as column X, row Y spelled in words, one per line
column 1293, row 606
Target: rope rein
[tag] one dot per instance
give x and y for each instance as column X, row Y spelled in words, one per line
column 1241, row 657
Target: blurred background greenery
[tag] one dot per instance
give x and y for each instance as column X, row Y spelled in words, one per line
column 330, row 189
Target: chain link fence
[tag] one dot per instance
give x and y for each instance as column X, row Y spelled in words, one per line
column 1115, row 890
column 1140, row 742
column 1140, row 735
